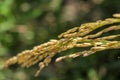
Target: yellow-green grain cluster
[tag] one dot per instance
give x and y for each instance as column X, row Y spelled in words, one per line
column 75, row 37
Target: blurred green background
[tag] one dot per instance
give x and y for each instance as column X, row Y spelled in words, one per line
column 27, row 23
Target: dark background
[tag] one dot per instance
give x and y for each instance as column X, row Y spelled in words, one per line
column 27, row 23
